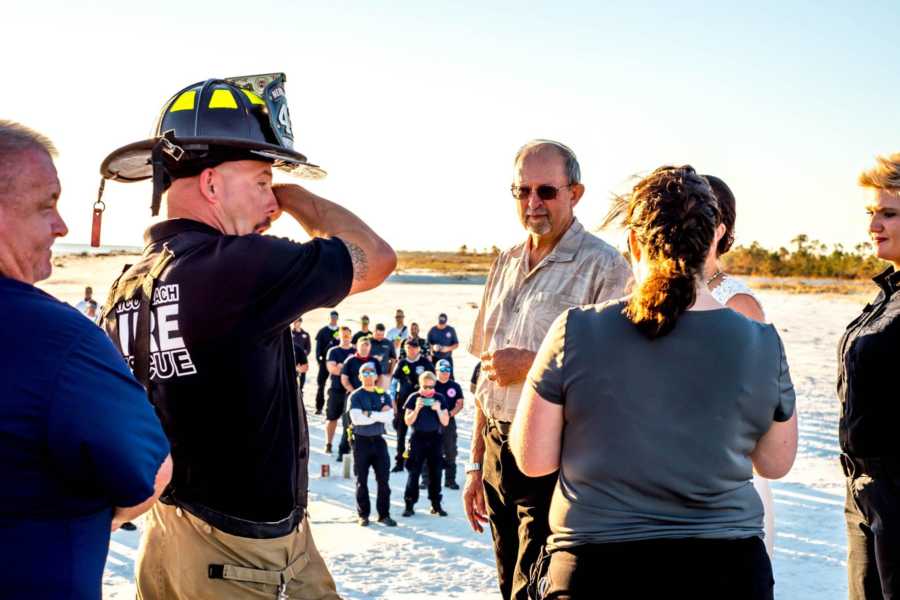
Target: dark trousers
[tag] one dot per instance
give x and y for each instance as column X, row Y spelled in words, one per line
column 322, row 382
column 518, row 508
column 344, row 445
column 872, row 513
column 686, row 568
column 401, row 428
column 371, row 451
column 424, row 446
column 449, row 451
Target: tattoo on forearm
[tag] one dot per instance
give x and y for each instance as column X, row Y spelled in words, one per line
column 359, row 259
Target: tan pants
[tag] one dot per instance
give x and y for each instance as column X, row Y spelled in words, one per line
column 177, row 549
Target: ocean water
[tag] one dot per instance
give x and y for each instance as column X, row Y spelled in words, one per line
column 60, row 249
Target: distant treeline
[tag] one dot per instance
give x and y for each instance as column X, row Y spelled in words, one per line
column 809, row 258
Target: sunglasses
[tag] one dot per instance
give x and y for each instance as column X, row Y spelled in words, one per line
column 445, row 370
column 543, row 191
column 427, row 387
column 369, row 373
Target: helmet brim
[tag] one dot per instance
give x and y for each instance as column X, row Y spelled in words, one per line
column 132, row 162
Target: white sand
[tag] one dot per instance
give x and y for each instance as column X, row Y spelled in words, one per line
column 441, row 557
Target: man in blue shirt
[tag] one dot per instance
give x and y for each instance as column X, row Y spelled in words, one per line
column 442, row 340
column 78, row 439
column 370, row 409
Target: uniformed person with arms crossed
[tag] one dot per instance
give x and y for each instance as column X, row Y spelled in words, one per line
column 559, row 265
column 216, row 355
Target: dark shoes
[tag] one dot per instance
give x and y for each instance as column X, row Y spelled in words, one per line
column 409, row 510
column 387, row 521
column 451, row 485
column 128, row 526
column 318, row 411
column 398, row 467
column 437, row 510
column 340, row 457
column 363, row 521
column 327, row 448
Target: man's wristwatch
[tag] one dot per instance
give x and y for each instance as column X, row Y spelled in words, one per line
column 473, row 467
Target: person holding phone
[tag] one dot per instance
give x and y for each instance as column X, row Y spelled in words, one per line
column 427, row 413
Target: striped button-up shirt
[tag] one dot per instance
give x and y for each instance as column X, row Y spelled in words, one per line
column 520, row 302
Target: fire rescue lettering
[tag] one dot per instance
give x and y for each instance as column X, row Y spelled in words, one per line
column 168, row 355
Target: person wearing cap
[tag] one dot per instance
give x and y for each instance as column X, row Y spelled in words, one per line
column 302, row 345
column 350, row 381
column 203, row 319
column 426, row 413
column 424, row 350
column 364, row 330
column 453, row 392
column 326, row 338
column 406, row 379
column 442, row 340
column 559, row 265
column 399, row 332
column 337, row 394
column 383, row 352
column 370, row 409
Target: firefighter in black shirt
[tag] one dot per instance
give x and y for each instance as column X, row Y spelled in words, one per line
column 203, row 319
column 454, row 394
column 302, row 346
column 326, row 339
column 406, row 378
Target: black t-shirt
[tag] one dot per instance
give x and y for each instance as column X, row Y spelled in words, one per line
column 326, row 339
column 476, row 373
column 450, row 390
column 361, row 334
column 305, row 340
column 424, row 349
column 222, row 365
column 444, row 337
column 338, row 355
column 428, row 419
column 300, row 347
column 407, row 374
column 383, row 350
column 352, row 366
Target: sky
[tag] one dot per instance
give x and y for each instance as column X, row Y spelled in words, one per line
column 416, row 109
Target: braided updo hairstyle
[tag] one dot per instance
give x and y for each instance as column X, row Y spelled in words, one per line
column 673, row 214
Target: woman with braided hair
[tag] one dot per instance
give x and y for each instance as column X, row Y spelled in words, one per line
column 656, row 409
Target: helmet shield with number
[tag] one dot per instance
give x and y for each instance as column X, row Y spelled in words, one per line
column 211, row 122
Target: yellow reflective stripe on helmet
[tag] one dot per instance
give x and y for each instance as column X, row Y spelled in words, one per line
column 222, row 99
column 184, row 101
column 254, row 99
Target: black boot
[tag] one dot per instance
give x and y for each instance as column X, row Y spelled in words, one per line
column 398, row 466
column 409, row 510
column 437, row 510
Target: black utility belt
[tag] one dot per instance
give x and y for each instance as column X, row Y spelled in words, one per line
column 873, row 466
column 257, row 530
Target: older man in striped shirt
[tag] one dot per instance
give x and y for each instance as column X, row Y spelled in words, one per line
column 559, row 265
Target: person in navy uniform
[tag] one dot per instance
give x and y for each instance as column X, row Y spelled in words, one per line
column 337, row 394
column 327, row 338
column 424, row 350
column 426, row 413
column 370, row 410
column 406, row 379
column 454, row 395
column 350, row 381
column 442, row 340
column 302, row 346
